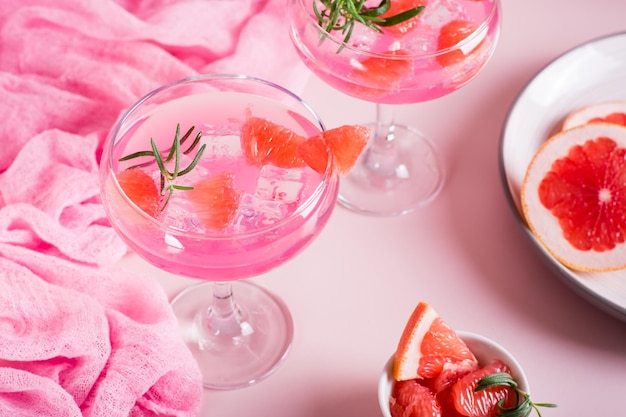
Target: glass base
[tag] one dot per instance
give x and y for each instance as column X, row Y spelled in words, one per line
column 398, row 172
column 232, row 357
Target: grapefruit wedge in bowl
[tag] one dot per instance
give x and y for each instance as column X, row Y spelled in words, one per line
column 439, row 372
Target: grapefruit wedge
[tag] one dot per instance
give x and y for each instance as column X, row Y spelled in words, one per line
column 608, row 111
column 141, row 190
column 215, row 200
column 428, row 347
column 345, row 143
column 265, row 142
column 574, row 196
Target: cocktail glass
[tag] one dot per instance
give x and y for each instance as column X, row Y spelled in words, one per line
column 429, row 56
column 238, row 332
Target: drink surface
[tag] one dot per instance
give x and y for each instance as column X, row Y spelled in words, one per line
column 270, row 223
column 402, row 65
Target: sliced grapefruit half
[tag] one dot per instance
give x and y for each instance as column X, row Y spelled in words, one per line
column 574, row 197
column 608, row 111
column 429, row 347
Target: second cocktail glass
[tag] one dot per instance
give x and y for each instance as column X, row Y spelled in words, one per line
column 205, row 205
column 423, row 58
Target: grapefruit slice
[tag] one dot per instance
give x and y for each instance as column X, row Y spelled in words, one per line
column 574, row 197
column 384, row 71
column 452, row 34
column 345, row 143
column 215, row 200
column 429, row 347
column 265, row 142
column 608, row 111
column 141, row 189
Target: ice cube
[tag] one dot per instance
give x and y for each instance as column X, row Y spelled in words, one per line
column 222, row 146
column 222, row 140
column 177, row 214
column 254, row 213
column 280, row 184
column 440, row 12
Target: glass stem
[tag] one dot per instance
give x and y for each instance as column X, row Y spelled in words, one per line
column 382, row 154
column 222, row 322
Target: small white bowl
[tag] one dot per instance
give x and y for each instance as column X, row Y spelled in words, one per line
column 484, row 349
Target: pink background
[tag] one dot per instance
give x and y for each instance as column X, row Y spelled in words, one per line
column 353, row 289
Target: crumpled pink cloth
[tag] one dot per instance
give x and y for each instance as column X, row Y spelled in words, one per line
column 79, row 335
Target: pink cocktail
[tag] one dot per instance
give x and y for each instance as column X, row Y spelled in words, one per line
column 423, row 58
column 218, row 216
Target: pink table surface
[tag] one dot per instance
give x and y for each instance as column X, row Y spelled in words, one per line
column 352, row 290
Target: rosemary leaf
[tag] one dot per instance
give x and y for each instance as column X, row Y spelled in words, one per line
column 342, row 15
column 193, row 144
column 193, row 163
column 520, row 409
column 168, row 179
column 173, row 148
column 136, row 155
column 400, row 17
column 158, row 158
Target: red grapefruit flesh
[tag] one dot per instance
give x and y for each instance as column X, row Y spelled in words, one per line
column 468, row 402
column 451, row 35
column 609, row 112
column 574, row 197
column 215, row 200
column 315, row 153
column 265, row 142
column 141, row 189
column 383, row 72
column 344, row 143
column 411, row 399
column 428, row 347
column 447, row 377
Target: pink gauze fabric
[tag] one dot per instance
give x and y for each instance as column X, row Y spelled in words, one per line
column 79, row 335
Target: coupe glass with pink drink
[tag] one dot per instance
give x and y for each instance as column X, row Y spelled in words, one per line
column 442, row 46
column 179, row 187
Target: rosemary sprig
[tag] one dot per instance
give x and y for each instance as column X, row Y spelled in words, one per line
column 342, row 15
column 168, row 178
column 523, row 404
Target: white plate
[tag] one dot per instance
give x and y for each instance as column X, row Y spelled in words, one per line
column 590, row 73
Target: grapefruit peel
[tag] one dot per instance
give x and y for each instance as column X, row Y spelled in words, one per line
column 574, row 152
column 428, row 346
column 606, row 111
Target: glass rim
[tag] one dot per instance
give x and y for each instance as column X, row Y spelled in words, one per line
column 484, row 26
column 311, row 200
